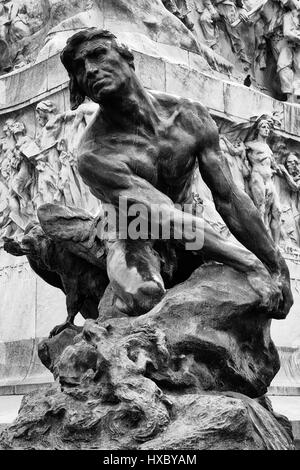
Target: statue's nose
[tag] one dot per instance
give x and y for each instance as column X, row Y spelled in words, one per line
column 91, row 68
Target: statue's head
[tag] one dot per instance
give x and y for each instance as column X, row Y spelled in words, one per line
column 18, row 127
column 44, row 111
column 99, row 67
column 7, row 128
column 292, row 164
column 264, row 128
column 34, row 241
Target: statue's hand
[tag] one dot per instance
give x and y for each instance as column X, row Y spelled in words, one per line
column 243, row 14
column 274, row 289
column 282, row 169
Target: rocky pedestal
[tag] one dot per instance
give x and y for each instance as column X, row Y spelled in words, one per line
column 190, row 374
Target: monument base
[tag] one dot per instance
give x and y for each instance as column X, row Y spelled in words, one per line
column 161, row 380
column 58, row 420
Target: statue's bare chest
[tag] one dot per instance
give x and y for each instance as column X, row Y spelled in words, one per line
column 168, row 152
column 259, row 153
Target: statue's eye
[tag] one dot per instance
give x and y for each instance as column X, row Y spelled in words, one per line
column 100, row 51
column 78, row 64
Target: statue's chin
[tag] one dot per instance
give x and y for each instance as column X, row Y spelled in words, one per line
column 107, row 93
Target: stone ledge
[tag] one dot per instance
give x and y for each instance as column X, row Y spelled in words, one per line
column 22, row 389
column 171, row 76
column 284, row 390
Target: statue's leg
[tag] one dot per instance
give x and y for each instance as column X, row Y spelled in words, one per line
column 134, row 271
column 143, row 194
column 258, row 192
column 73, row 304
column 140, row 286
column 275, row 224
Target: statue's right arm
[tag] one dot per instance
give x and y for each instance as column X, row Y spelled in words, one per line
column 234, row 205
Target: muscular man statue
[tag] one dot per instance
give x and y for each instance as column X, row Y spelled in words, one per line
column 143, row 147
column 261, row 183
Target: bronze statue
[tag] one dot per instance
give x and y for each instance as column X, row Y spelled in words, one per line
column 143, row 147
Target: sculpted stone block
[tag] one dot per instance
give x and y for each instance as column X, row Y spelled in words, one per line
column 152, row 71
column 235, row 96
column 182, row 80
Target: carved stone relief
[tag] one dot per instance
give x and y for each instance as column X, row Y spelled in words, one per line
column 41, row 169
column 237, row 37
column 267, row 167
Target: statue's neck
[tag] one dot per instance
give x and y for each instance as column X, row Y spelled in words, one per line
column 131, row 107
column 262, row 139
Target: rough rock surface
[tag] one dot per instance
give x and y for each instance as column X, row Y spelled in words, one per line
column 78, row 419
column 161, row 380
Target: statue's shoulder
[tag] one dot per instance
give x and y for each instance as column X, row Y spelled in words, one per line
column 162, row 98
column 93, row 127
column 249, row 143
column 254, row 145
column 257, row 145
column 170, row 103
column 167, row 99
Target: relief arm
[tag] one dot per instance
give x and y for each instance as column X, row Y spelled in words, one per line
column 275, row 167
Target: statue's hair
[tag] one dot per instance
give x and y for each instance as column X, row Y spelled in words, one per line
column 77, row 96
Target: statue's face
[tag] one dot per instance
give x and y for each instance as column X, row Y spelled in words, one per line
column 292, row 164
column 100, row 70
column 18, row 128
column 264, row 129
column 42, row 117
column 7, row 129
